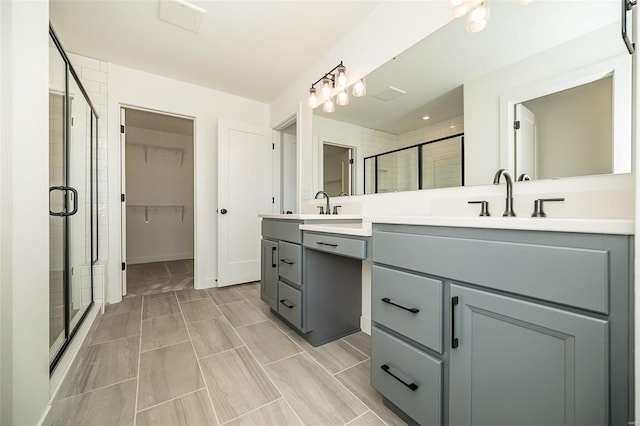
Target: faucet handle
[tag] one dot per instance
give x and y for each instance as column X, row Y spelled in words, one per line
column 538, row 210
column 335, row 209
column 321, row 209
column 484, row 207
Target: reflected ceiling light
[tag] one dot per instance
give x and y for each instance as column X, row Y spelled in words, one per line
column 343, row 97
column 328, row 106
column 336, row 78
column 313, row 98
column 425, row 117
column 460, row 7
column 478, row 17
column 359, row 89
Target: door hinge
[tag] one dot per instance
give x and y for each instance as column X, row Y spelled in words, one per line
column 124, row 266
column 350, row 160
column 516, row 124
column 122, row 128
column 122, row 198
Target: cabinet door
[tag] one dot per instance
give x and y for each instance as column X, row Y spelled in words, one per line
column 520, row 363
column 269, row 273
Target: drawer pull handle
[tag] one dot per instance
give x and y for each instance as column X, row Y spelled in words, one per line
column 412, row 310
column 326, row 244
column 387, row 370
column 287, row 261
column 273, row 262
column 288, row 304
column 454, row 339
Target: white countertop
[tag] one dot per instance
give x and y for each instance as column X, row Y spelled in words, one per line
column 332, row 217
column 362, row 229
column 596, row 226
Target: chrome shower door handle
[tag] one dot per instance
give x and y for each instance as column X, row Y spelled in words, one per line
column 65, row 189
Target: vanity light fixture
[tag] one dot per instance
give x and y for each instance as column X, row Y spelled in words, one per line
column 336, row 78
column 343, row 97
column 329, row 106
column 478, row 17
column 359, row 89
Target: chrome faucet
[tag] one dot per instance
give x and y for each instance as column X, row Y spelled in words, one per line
column 524, row 177
column 507, row 177
column 327, row 209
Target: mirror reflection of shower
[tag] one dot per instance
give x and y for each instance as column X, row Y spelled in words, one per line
column 337, row 169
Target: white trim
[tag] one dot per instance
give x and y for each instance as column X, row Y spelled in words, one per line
column 160, row 258
column 277, row 160
column 617, row 66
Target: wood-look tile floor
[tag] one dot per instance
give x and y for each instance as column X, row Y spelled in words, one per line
column 215, row 357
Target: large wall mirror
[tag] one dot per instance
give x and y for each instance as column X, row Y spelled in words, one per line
column 544, row 90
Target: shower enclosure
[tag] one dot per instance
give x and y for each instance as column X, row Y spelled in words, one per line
column 73, row 248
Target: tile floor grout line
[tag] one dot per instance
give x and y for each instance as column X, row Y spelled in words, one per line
column 206, row 319
column 253, row 411
column 348, row 368
column 112, row 340
column 218, row 353
column 204, row 380
column 249, row 325
column 353, row 346
column 264, row 371
column 172, row 399
column 135, row 407
column 93, row 390
column 165, row 346
column 285, row 358
column 361, row 415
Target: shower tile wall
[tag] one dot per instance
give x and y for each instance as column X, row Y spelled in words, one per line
column 94, row 77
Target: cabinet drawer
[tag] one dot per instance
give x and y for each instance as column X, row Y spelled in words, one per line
column 290, row 304
column 287, row 230
column 408, row 304
column 420, row 395
column 290, row 261
column 568, row 275
column 349, row 247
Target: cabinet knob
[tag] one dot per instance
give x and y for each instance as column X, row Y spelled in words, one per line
column 223, row 211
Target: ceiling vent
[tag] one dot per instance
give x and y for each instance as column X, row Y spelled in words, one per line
column 181, row 14
column 389, row 94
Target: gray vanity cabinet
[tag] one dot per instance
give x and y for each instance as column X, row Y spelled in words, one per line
column 521, row 363
column 269, row 273
column 524, row 327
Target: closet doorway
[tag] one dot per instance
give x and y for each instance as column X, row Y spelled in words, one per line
column 157, row 202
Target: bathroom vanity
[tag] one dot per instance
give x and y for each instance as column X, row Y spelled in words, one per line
column 311, row 273
column 503, row 326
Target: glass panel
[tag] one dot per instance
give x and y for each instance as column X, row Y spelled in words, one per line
column 370, row 175
column 442, row 163
column 57, row 71
column 398, row 171
column 94, row 188
column 79, row 225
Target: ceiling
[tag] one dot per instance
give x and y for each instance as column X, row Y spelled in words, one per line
column 433, row 72
column 253, row 49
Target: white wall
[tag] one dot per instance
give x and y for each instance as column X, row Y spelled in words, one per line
column 164, row 178
column 24, row 158
column 131, row 87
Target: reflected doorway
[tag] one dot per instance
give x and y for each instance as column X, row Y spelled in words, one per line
column 337, row 169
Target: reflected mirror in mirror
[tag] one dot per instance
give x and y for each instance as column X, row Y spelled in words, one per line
column 471, row 84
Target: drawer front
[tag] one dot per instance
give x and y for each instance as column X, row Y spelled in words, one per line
column 572, row 276
column 408, row 304
column 290, row 304
column 290, row 262
column 349, row 247
column 287, row 230
column 416, row 387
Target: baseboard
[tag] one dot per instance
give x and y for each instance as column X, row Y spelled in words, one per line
column 158, row 258
column 365, row 325
column 65, row 363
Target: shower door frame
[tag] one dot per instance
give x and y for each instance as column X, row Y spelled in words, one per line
column 92, row 161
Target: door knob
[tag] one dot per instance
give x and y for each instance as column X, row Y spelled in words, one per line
column 223, row 211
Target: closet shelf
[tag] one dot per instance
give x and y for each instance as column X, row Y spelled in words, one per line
column 146, row 208
column 147, row 147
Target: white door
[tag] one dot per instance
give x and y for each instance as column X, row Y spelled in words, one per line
column 526, row 152
column 123, row 203
column 244, row 192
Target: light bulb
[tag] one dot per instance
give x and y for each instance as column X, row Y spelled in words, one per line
column 359, row 89
column 326, row 88
column 478, row 14
column 342, row 98
column 328, row 106
column 341, row 77
column 313, row 99
column 478, row 18
column 460, row 7
column 476, row 27
column 425, row 117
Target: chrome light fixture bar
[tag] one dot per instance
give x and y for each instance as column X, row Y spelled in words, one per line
column 336, row 78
